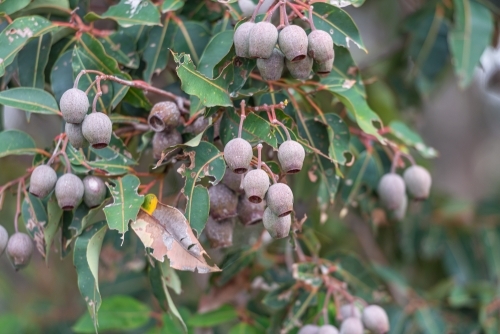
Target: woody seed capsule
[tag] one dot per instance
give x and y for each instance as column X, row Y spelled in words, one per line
column 75, row 135
column 255, row 184
column 69, row 191
column 94, row 191
column 42, row 181
column 164, row 116
column 263, row 38
column 97, row 129
column 219, row 233
column 74, row 105
column 223, row 202
column 391, row 190
column 250, row 213
column 272, row 67
column 293, row 42
column 320, row 46
column 238, row 155
column 241, row 39
column 19, row 250
column 291, row 156
column 278, row 227
column 279, row 199
column 300, row 69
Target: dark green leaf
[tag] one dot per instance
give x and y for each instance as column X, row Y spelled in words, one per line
column 30, row 99
column 255, row 128
column 15, row 142
column 61, row 76
column 34, row 57
column 217, row 48
column 222, row 315
column 191, row 38
column 54, row 215
column 171, row 5
column 137, row 12
column 411, row 138
column 121, row 47
column 243, row 328
column 11, row 6
column 430, row 321
column 339, row 136
column 157, row 52
column 35, row 219
column 365, row 172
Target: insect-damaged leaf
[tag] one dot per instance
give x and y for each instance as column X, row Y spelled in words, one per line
column 35, row 219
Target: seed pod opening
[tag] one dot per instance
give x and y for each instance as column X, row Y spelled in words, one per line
column 4, row 238
column 255, row 184
column 238, row 155
column 418, row 182
column 97, row 129
column 351, row 326
column 75, row 135
column 309, row 329
column 375, row 319
column 320, row 46
column 164, row 116
column 42, row 181
column 263, row 38
column 291, row 156
column 74, row 105
column 163, row 140
column 272, row 67
column 293, row 42
column 278, row 227
column 69, row 191
column 391, row 190
column 223, row 202
column 250, row 213
column 323, row 69
column 241, row 39
column 94, row 191
column 233, row 181
column 328, row 329
column 279, row 199
column 300, row 69
column 19, row 250
column 219, row 233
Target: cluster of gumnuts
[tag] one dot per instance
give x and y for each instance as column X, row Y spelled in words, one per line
column 299, row 52
column 374, row 318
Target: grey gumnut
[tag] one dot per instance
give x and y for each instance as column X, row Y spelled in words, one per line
column 300, row 69
column 19, row 250
column 291, row 156
column 263, row 38
column 351, row 326
column 223, row 202
column 255, row 184
column 69, row 191
column 163, row 140
column 328, row 329
column 164, row 116
column 272, row 68
column 391, row 190
column 233, row 181
column 241, row 39
column 278, row 227
column 349, row 311
column 309, row 329
column 280, row 199
column 418, row 182
column 219, row 233
column 94, row 191
column 293, row 42
column 74, row 105
column 42, row 181
column 400, row 213
column 75, row 135
column 375, row 319
column 197, row 126
column 247, row 7
column 238, row 155
column 97, row 129
column 320, row 46
column 250, row 213
column 323, row 69
column 4, row 238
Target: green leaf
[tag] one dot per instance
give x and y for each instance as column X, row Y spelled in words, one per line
column 217, row 49
column 117, row 314
column 365, row 172
column 15, row 142
column 430, row 321
column 345, row 3
column 157, row 53
column 411, row 138
column 243, row 328
column 191, row 37
column 61, row 76
column 342, row 77
column 121, row 47
column 57, row 7
column 469, row 37
column 16, row 34
column 11, row 6
column 34, row 57
column 171, row 5
column 255, row 128
column 222, row 315
column 115, row 153
column 308, row 273
column 35, row 219
column 133, row 12
column 339, row 136
column 54, row 215
column 30, row 99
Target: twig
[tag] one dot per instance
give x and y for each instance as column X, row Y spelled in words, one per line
column 18, row 205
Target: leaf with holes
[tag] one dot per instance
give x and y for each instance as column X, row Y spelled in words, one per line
column 35, row 219
column 133, row 12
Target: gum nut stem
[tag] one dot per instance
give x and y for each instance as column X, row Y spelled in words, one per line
column 291, row 156
column 163, row 140
column 391, row 190
column 300, row 69
column 293, row 42
column 238, row 155
column 320, row 46
column 323, row 69
column 241, row 39
column 97, row 129
column 69, row 191
column 309, row 329
column 272, row 68
column 74, row 105
column 375, row 319
column 4, row 238
column 42, row 181
column 349, row 311
column 219, row 233
column 351, row 326
column 94, row 191
column 75, row 135
column 278, row 227
column 263, row 38
column 233, row 181
column 418, row 182
column 255, row 184
column 19, row 250
column 328, row 329
column 164, row 116
column 279, row 199
column 250, row 213
column 223, row 202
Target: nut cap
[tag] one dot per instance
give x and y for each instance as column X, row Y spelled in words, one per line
column 94, row 191
column 219, row 233
column 272, row 67
column 74, row 105
column 351, row 326
column 238, row 155
column 75, row 135
column 391, row 190
column 320, row 46
column 375, row 319
column 255, row 184
column 69, row 191
column 97, row 129
column 278, row 227
column 263, row 38
column 418, row 182
column 42, row 181
column 223, row 202
column 241, row 39
column 279, row 199
column 291, row 156
column 19, row 250
column 163, row 140
column 164, row 116
column 4, row 238
column 250, row 213
column 300, row 69
column 293, row 42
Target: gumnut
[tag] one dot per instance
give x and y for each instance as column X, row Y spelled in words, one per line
column 247, row 7
column 263, row 38
column 323, row 68
column 74, row 105
column 328, row 329
column 164, row 140
column 75, row 135
column 97, row 129
column 19, row 250
column 320, row 46
column 241, row 39
column 250, row 213
column 219, row 233
column 418, row 182
column 69, row 191
column 255, row 184
column 278, row 227
column 233, row 181
column 223, row 202
column 349, row 311
column 4, row 238
column 400, row 213
column 197, row 126
column 291, row 156
column 94, row 191
column 300, row 69
column 280, row 199
column 391, row 190
column 42, row 181
column 293, row 42
column 351, row 326
column 375, row 319
column 164, row 116
column 272, row 68
column 309, row 329
column 238, row 155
